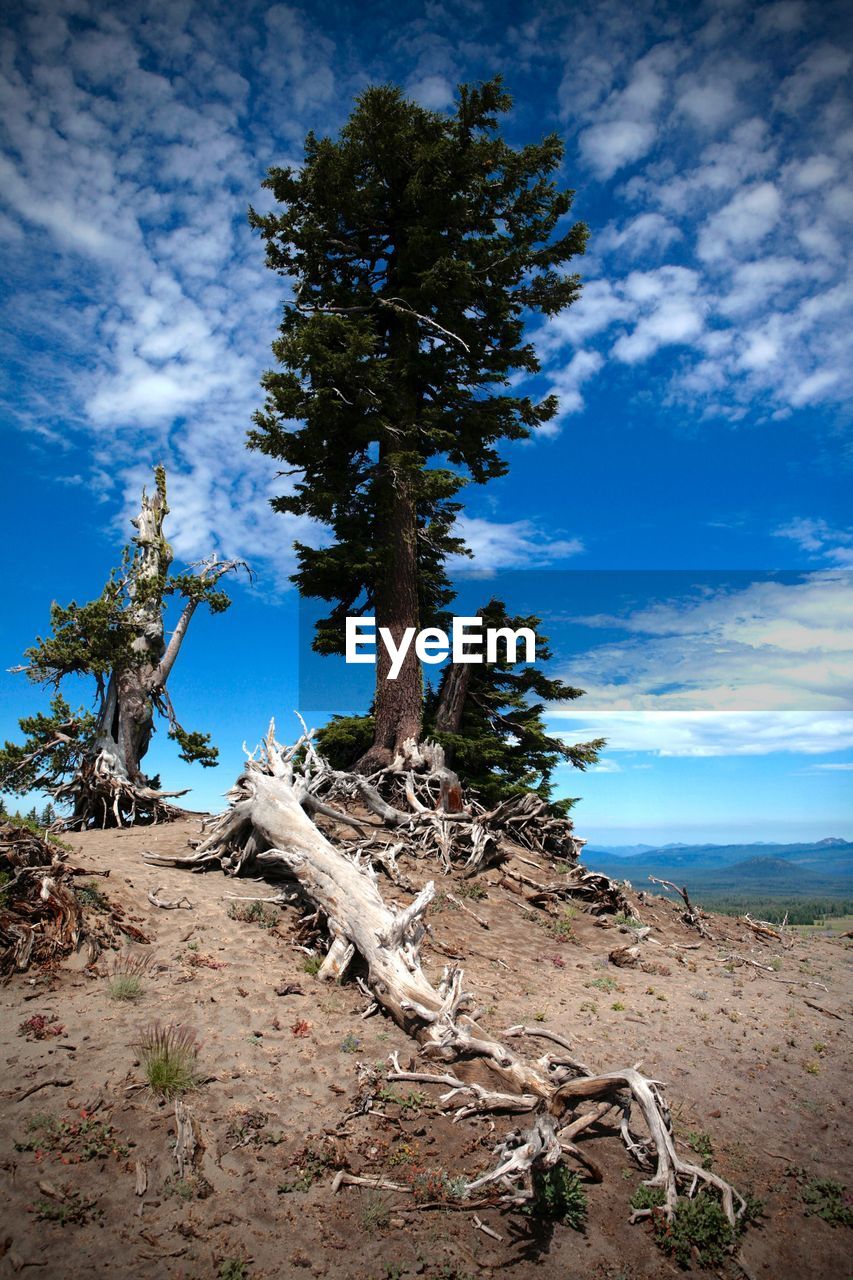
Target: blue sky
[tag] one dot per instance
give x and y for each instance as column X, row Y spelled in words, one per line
column 705, row 376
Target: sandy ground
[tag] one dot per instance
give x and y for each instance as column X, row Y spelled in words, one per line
column 754, row 1059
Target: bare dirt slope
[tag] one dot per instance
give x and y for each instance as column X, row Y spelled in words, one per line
column 292, row 1091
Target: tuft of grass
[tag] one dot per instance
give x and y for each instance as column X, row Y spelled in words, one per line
column 312, row 964
column 558, row 1195
column 375, row 1212
column 630, row 922
column 125, row 987
column 617, row 1006
column 169, row 1057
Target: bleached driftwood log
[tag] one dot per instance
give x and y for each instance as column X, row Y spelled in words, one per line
column 267, row 824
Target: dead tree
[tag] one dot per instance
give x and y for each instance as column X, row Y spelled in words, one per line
column 92, row 762
column 691, row 916
column 267, row 828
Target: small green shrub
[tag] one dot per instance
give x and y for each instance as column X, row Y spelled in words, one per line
column 433, row 1186
column 702, row 1145
column 603, row 984
column 622, row 917
column 89, row 895
column 72, row 1211
column 558, row 1195
column 169, row 1057
column 561, row 926
column 312, row 964
column 233, row 1269
column 254, row 913
column 646, row 1197
column 413, row 1100
column 72, row 1140
column 825, row 1198
column 470, row 889
column 308, row 1166
column 699, row 1224
column 350, row 1043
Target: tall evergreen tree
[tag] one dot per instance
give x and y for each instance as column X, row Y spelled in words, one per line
column 92, row 760
column 489, row 718
column 417, row 243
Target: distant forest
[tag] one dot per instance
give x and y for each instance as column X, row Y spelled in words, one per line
column 774, row 909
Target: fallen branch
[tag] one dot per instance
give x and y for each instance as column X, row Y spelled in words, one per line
column 167, row 904
column 268, row 828
column 45, row 1084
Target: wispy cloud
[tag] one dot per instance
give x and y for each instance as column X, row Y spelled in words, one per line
column 515, row 544
column 764, row 668
column 755, row 220
column 833, row 546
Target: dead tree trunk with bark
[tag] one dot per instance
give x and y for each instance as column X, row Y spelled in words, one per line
column 268, row 829
column 94, row 764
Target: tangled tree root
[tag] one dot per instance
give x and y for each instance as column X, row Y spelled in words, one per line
column 267, row 826
column 100, row 796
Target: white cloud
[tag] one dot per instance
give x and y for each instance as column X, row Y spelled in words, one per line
column 835, row 546
column 611, row 145
column 819, row 69
column 741, row 224
column 130, row 187
column 708, row 103
column 748, row 671
column 435, row 92
column 515, row 544
column 710, row 733
column 566, row 383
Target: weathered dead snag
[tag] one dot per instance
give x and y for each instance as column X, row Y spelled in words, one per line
column 691, row 916
column 267, row 828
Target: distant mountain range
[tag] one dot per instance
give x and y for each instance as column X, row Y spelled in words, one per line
column 822, row 867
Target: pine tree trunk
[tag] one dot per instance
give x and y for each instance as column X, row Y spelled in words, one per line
column 451, row 702
column 398, row 706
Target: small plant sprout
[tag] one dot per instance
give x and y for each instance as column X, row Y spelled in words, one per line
column 558, row 1195
column 169, row 1055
